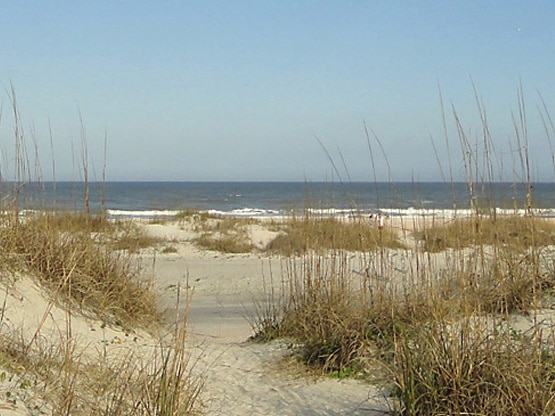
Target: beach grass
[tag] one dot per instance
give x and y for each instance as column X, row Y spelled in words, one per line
column 130, row 237
column 472, row 366
column 436, row 329
column 296, row 236
column 518, row 233
column 226, row 235
column 450, row 325
column 86, row 269
column 310, row 233
column 79, row 260
column 71, row 257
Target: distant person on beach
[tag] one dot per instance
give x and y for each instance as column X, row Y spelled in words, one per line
column 379, row 219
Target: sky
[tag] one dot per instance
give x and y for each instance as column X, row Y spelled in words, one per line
column 262, row 90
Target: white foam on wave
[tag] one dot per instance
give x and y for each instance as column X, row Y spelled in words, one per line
column 246, row 213
column 259, row 213
column 116, row 213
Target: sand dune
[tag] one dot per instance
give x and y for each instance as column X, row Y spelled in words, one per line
column 241, row 377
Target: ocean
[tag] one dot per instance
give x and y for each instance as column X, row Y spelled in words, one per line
column 279, row 199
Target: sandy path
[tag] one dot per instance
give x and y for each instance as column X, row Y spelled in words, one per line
column 245, row 377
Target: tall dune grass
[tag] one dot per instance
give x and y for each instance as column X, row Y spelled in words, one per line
column 437, row 321
column 87, row 265
column 68, row 255
column 74, row 257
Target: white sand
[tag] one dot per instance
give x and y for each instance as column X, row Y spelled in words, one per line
column 245, row 377
column 241, row 377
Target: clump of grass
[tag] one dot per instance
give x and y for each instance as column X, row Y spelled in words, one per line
column 472, row 367
column 518, row 233
column 227, row 235
column 169, row 250
column 440, row 332
column 320, row 234
column 506, row 283
column 224, row 244
column 129, row 236
column 73, row 255
column 319, row 315
column 75, row 265
column 338, row 317
column 503, row 266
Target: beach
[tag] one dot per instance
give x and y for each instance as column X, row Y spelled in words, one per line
column 217, row 294
column 245, row 377
column 239, row 376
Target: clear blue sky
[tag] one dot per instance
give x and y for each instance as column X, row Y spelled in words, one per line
column 241, row 90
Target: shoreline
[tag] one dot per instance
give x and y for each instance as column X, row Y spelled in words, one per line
column 409, row 214
column 275, row 199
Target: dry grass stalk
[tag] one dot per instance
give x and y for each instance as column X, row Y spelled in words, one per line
column 84, row 260
column 67, row 257
column 307, row 234
column 441, row 325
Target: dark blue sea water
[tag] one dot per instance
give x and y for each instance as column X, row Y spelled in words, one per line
column 268, row 199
